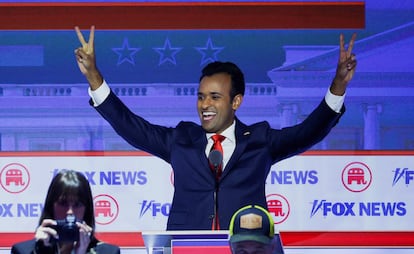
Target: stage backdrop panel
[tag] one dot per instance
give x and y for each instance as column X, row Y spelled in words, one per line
column 319, row 198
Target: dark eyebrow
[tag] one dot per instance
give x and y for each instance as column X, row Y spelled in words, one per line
column 215, row 93
column 211, row 93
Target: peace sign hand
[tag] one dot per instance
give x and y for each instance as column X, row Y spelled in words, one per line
column 346, row 66
column 85, row 57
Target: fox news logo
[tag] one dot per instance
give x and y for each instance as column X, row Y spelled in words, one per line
column 154, row 208
column 20, row 210
column 114, row 177
column 403, row 175
column 328, row 208
column 291, row 177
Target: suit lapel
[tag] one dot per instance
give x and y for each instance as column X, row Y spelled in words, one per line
column 242, row 136
column 199, row 141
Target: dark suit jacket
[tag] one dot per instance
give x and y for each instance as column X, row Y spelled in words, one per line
column 30, row 247
column 258, row 147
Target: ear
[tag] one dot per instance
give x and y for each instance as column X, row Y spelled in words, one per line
column 237, row 101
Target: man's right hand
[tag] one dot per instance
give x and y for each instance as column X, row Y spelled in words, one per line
column 85, row 57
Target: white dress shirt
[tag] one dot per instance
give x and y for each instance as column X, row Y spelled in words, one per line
column 228, row 144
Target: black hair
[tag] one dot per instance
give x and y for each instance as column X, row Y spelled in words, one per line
column 65, row 185
column 237, row 78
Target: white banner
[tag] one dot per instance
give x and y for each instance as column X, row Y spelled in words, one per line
column 132, row 191
column 343, row 193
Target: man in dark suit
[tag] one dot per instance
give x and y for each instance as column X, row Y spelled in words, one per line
column 201, row 199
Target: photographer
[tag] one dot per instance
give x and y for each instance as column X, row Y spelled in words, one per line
column 67, row 222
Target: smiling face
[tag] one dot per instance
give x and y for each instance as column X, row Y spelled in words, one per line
column 215, row 107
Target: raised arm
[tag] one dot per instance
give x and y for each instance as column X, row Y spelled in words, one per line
column 85, row 57
column 346, row 66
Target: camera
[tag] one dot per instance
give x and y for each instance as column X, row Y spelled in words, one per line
column 67, row 229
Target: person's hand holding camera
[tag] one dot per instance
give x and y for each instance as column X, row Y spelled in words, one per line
column 45, row 232
column 67, row 232
column 85, row 232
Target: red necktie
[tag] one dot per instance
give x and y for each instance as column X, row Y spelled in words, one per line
column 217, row 138
column 217, row 146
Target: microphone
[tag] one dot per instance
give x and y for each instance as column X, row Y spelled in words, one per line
column 215, row 159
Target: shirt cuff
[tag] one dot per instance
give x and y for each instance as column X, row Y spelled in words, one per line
column 335, row 102
column 99, row 95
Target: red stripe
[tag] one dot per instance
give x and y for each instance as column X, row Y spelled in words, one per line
column 357, row 239
column 289, row 239
column 123, row 239
column 183, row 15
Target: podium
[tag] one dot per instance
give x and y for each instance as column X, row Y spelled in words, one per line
column 189, row 242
